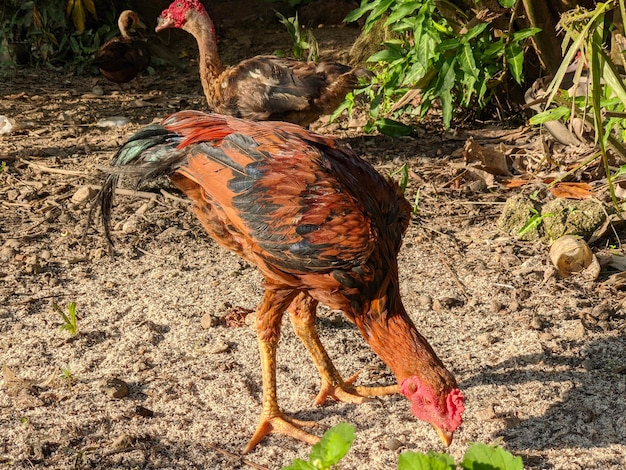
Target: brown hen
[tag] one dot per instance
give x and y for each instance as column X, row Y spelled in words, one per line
column 321, row 225
column 121, row 58
column 263, row 88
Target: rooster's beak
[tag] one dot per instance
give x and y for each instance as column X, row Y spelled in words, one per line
column 445, row 436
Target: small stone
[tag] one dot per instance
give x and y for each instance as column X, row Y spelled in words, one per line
column 486, row 413
column 496, row 306
column 115, row 388
column 143, row 411
column 6, row 253
column 391, row 443
column 425, row 301
column 450, row 302
column 587, row 364
column 97, row 90
column 218, row 347
column 113, row 121
column 11, row 243
column 602, row 311
column 122, row 442
column 486, row 339
column 536, row 323
column 83, row 194
column 250, row 320
column 514, row 306
column 208, row 321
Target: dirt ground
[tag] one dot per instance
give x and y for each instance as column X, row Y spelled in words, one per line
column 540, row 360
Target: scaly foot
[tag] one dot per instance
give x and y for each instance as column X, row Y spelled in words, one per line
column 343, row 390
column 281, row 424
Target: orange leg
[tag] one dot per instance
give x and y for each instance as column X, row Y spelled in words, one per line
column 272, row 419
column 303, row 317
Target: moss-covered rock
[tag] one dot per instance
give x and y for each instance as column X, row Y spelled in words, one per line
column 571, row 217
column 517, row 212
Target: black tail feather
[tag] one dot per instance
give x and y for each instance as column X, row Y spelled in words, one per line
column 149, row 153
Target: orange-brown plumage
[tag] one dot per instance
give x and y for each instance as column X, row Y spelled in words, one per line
column 321, row 225
column 263, row 87
column 121, row 58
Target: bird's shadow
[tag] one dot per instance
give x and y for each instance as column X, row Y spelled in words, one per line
column 588, row 405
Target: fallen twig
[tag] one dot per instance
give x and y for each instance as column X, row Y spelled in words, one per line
column 238, row 457
column 54, row 170
column 128, row 192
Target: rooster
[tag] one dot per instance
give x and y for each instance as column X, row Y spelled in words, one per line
column 121, row 58
column 321, row 225
column 263, row 88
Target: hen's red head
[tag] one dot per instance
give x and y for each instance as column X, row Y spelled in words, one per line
column 175, row 15
column 443, row 412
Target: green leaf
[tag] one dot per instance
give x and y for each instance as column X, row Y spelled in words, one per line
column 475, row 31
column 551, row 114
column 485, row 457
column 506, row 3
column 333, row 446
column 359, row 12
column 432, row 461
column 299, row 464
column 392, row 128
column 402, row 11
column 515, row 60
column 524, row 34
column 386, row 55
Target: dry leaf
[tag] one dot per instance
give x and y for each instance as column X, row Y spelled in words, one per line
column 512, row 184
column 488, row 159
column 572, row 190
column 571, row 255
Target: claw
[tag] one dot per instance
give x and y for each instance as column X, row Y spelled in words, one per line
column 281, row 424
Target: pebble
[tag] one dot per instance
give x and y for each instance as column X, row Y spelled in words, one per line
column 113, row 121
column 392, row 443
column 536, row 323
column 83, row 194
column 143, row 411
column 122, row 442
column 217, row 348
column 11, row 243
column 587, row 364
column 602, row 311
column 425, row 301
column 208, row 321
column 115, row 388
column 6, row 253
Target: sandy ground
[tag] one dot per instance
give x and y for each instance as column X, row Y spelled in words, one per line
column 540, row 360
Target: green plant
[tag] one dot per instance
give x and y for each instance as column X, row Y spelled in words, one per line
column 336, row 442
column 40, row 33
column 430, row 54
column 602, row 92
column 332, row 447
column 533, row 222
column 66, row 374
column 403, row 171
column 301, row 43
column 70, row 322
column 477, row 457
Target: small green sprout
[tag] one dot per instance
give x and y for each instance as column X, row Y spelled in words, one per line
column 332, row 447
column 403, row 171
column 66, row 374
column 70, row 323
